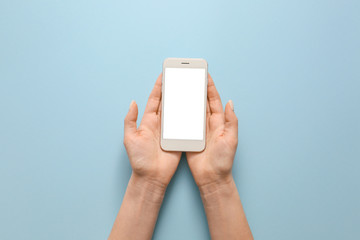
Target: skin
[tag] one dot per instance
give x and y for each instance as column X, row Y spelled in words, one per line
column 212, row 167
column 153, row 169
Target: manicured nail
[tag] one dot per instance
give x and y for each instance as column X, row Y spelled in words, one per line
column 131, row 103
column 231, row 105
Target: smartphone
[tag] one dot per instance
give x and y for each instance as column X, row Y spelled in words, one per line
column 184, row 98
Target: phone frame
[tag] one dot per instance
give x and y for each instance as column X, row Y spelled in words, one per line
column 181, row 144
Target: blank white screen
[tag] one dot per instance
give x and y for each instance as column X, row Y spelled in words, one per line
column 184, row 103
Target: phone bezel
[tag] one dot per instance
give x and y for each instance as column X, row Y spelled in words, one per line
column 181, row 144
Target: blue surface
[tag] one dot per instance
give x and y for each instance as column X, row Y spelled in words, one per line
column 69, row 69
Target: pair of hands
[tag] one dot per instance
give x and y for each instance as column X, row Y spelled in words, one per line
column 155, row 166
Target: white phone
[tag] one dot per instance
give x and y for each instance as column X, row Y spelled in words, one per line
column 184, row 98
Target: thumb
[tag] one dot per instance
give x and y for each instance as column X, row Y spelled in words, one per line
column 130, row 119
column 231, row 122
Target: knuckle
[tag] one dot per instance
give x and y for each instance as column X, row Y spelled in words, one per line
column 236, row 120
column 127, row 140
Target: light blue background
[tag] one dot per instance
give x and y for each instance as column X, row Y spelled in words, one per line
column 69, row 69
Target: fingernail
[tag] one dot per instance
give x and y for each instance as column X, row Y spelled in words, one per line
column 131, row 103
column 231, row 105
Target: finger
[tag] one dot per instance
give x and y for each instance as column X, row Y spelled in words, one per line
column 208, row 112
column 214, row 97
column 153, row 103
column 159, row 108
column 130, row 119
column 231, row 122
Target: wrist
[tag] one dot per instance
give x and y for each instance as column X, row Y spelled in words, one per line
column 215, row 191
column 149, row 190
column 211, row 182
